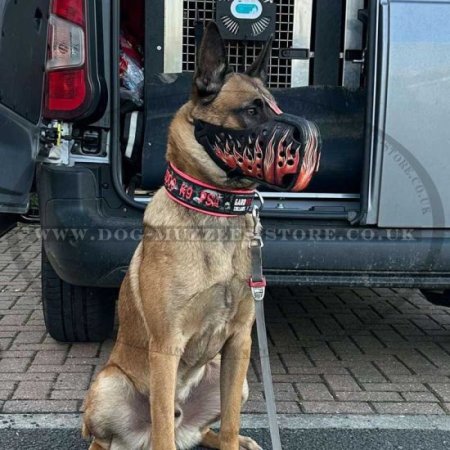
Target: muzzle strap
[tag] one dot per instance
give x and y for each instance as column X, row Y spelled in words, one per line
column 199, row 196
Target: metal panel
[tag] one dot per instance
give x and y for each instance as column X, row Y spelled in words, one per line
column 353, row 41
column 173, row 36
column 23, row 49
column 376, row 66
column 155, row 49
column 241, row 54
column 302, row 39
column 18, row 150
column 415, row 142
column 280, row 69
column 293, row 30
column 327, row 42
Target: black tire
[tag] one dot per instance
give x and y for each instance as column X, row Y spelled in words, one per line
column 438, row 297
column 75, row 313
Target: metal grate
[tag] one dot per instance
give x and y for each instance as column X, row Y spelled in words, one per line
column 242, row 54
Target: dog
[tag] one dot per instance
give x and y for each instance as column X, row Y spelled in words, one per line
column 185, row 308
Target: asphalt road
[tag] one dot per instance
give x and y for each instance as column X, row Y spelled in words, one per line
column 292, row 439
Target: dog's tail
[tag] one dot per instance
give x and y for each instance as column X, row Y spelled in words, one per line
column 85, row 431
column 96, row 444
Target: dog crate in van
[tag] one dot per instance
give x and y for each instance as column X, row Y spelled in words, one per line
column 312, row 73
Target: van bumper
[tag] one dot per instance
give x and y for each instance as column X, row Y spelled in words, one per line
column 90, row 237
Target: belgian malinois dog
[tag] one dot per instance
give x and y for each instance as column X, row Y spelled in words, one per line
column 185, row 307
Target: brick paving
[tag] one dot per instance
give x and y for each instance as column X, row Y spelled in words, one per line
column 334, row 351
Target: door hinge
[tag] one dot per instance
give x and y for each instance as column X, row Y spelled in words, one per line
column 54, row 140
column 53, row 135
column 84, row 141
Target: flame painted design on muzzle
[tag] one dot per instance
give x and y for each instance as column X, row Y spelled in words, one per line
column 283, row 152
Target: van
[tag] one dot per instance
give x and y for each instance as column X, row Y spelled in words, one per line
column 88, row 89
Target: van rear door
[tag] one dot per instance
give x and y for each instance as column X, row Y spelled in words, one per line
column 413, row 113
column 23, row 48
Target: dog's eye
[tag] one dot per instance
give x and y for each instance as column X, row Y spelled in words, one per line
column 252, row 111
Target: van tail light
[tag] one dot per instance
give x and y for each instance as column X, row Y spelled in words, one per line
column 71, row 10
column 67, row 90
column 66, row 47
column 70, row 87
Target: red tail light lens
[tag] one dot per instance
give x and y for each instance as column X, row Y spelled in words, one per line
column 66, row 90
column 67, row 81
column 71, row 10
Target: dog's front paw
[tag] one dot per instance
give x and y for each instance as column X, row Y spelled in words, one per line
column 246, row 443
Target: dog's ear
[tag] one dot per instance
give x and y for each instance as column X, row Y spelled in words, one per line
column 259, row 67
column 212, row 65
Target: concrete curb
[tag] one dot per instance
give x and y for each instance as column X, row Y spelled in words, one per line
column 256, row 421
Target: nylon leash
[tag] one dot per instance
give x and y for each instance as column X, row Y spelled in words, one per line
column 258, row 287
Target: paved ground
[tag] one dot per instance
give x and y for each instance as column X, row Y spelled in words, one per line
column 343, row 351
column 292, row 440
column 307, row 431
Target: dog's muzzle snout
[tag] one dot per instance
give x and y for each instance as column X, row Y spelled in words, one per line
column 283, row 152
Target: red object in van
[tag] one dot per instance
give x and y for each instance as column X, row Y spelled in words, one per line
column 133, row 21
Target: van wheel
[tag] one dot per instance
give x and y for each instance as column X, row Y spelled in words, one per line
column 439, row 297
column 75, row 313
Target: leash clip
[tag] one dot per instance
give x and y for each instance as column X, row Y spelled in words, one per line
column 260, row 199
column 256, row 239
column 258, row 289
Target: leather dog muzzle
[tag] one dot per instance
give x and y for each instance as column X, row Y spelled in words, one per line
column 283, row 152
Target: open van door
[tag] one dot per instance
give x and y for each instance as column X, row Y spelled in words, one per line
column 413, row 112
column 23, row 48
